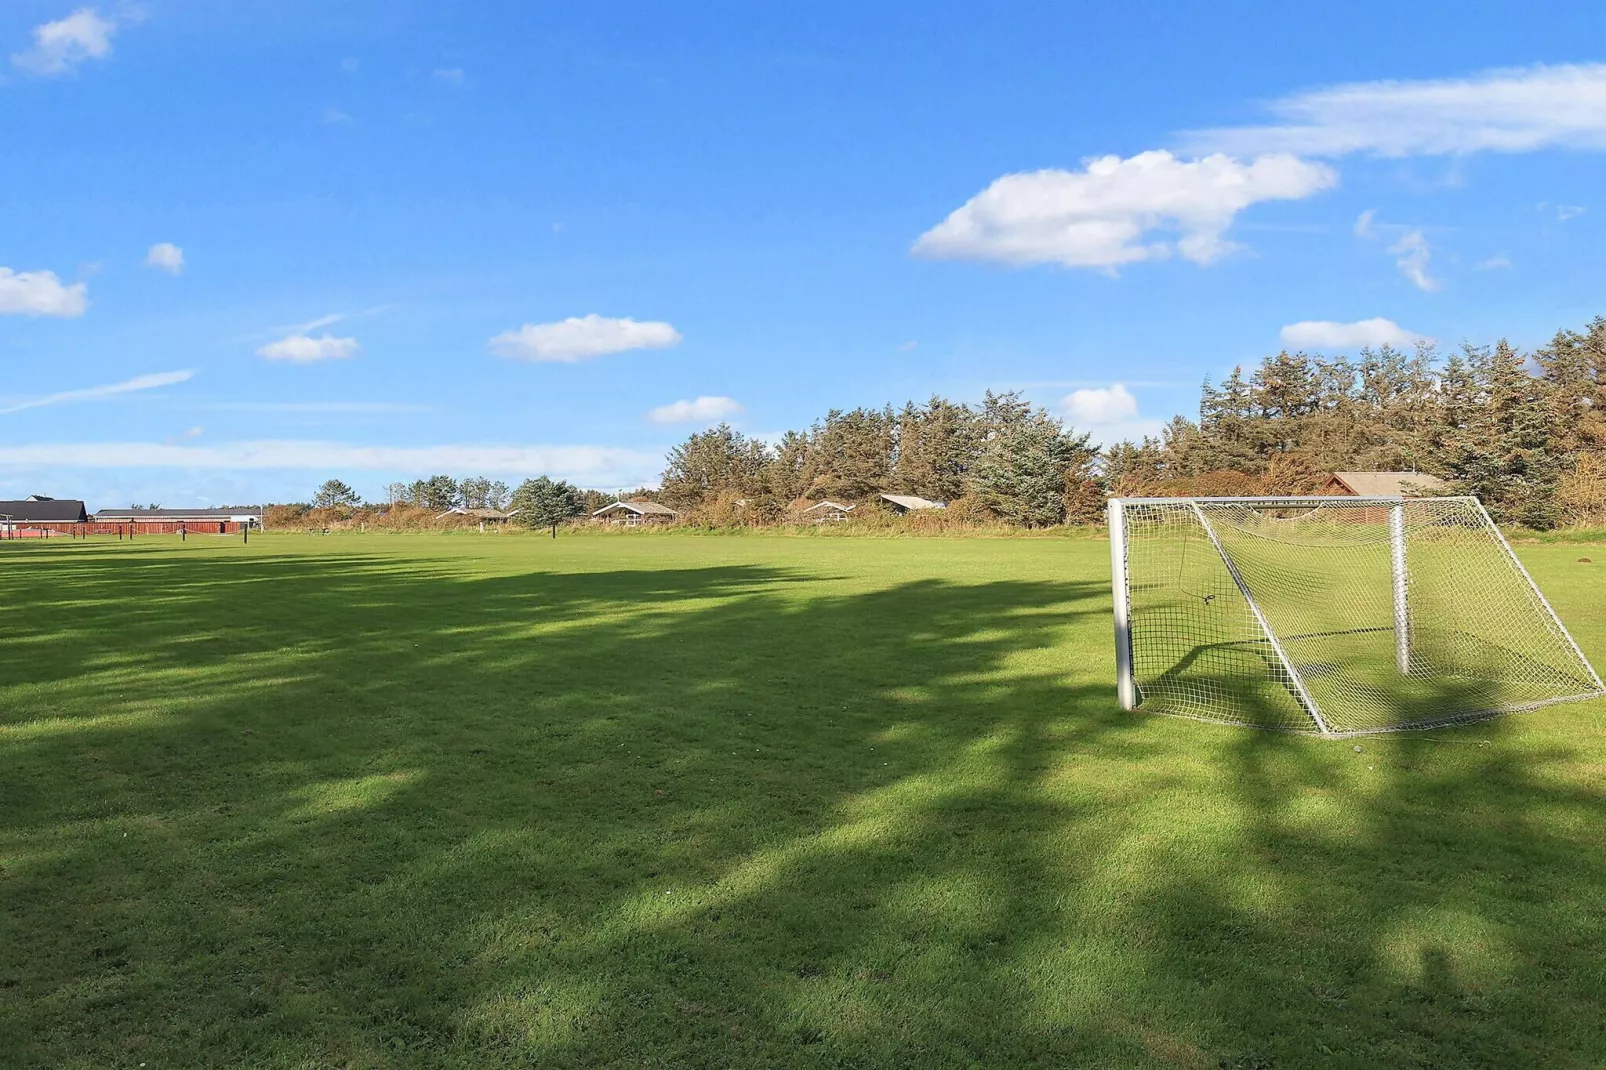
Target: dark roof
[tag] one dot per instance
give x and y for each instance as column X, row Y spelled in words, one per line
column 50, row 511
column 179, row 514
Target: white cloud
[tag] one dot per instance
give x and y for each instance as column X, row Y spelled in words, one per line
column 1363, row 224
column 909, row 347
column 1329, row 336
column 1511, row 110
column 1109, row 414
column 40, row 293
column 1414, row 254
column 695, row 410
column 1494, row 263
column 449, row 75
column 1569, row 211
column 95, row 393
column 587, row 465
column 582, row 338
column 167, row 256
column 304, row 349
column 336, row 117
column 1105, row 405
column 60, row 46
column 1101, row 216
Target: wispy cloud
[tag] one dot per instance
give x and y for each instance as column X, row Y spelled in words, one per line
column 334, row 407
column 695, row 410
column 586, row 465
column 1499, row 262
column 1408, row 244
column 449, row 75
column 1413, row 253
column 96, row 393
column 59, row 47
column 166, row 256
column 1520, row 109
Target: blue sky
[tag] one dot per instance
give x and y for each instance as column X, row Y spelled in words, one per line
column 248, row 247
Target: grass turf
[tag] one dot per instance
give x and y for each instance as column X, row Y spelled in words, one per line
column 674, row 801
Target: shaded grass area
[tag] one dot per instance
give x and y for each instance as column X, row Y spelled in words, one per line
column 382, row 802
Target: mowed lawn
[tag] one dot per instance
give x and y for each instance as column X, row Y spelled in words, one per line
column 676, row 801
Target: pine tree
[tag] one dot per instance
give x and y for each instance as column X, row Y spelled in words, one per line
column 852, row 453
column 936, row 448
column 336, row 495
column 710, row 463
column 543, row 502
column 1029, row 465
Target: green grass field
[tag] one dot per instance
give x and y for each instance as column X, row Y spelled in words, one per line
column 458, row 801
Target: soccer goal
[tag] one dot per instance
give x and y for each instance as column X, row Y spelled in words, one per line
column 1338, row 616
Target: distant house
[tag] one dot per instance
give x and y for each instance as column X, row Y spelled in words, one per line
column 38, row 514
column 827, row 512
column 909, row 503
column 484, row 516
column 634, row 514
column 1385, row 485
column 169, row 521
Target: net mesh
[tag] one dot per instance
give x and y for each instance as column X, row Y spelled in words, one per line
column 1388, row 615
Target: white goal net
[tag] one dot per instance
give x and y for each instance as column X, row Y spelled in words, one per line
column 1340, row 616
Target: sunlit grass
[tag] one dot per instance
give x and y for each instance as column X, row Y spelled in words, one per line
column 678, row 801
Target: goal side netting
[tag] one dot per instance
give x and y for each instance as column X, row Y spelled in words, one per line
column 1339, row 616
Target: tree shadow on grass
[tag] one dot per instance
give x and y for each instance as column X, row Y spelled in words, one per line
column 365, row 811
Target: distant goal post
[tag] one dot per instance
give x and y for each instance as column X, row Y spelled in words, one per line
column 1336, row 616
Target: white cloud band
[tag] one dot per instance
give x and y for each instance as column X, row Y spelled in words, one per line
column 589, row 465
column 304, row 349
column 695, row 410
column 1331, row 336
column 582, row 338
column 95, row 393
column 1511, row 110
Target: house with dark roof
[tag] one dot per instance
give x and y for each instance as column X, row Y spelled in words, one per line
column 41, row 514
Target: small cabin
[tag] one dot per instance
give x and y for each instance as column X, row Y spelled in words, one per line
column 827, row 512
column 910, row 503
column 1385, row 485
column 634, row 514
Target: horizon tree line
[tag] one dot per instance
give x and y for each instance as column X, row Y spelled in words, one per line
column 1525, row 432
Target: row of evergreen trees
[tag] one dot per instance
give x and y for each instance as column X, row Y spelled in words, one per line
column 1003, row 458
column 1525, row 432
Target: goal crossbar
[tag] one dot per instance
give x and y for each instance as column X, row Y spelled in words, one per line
column 1331, row 615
